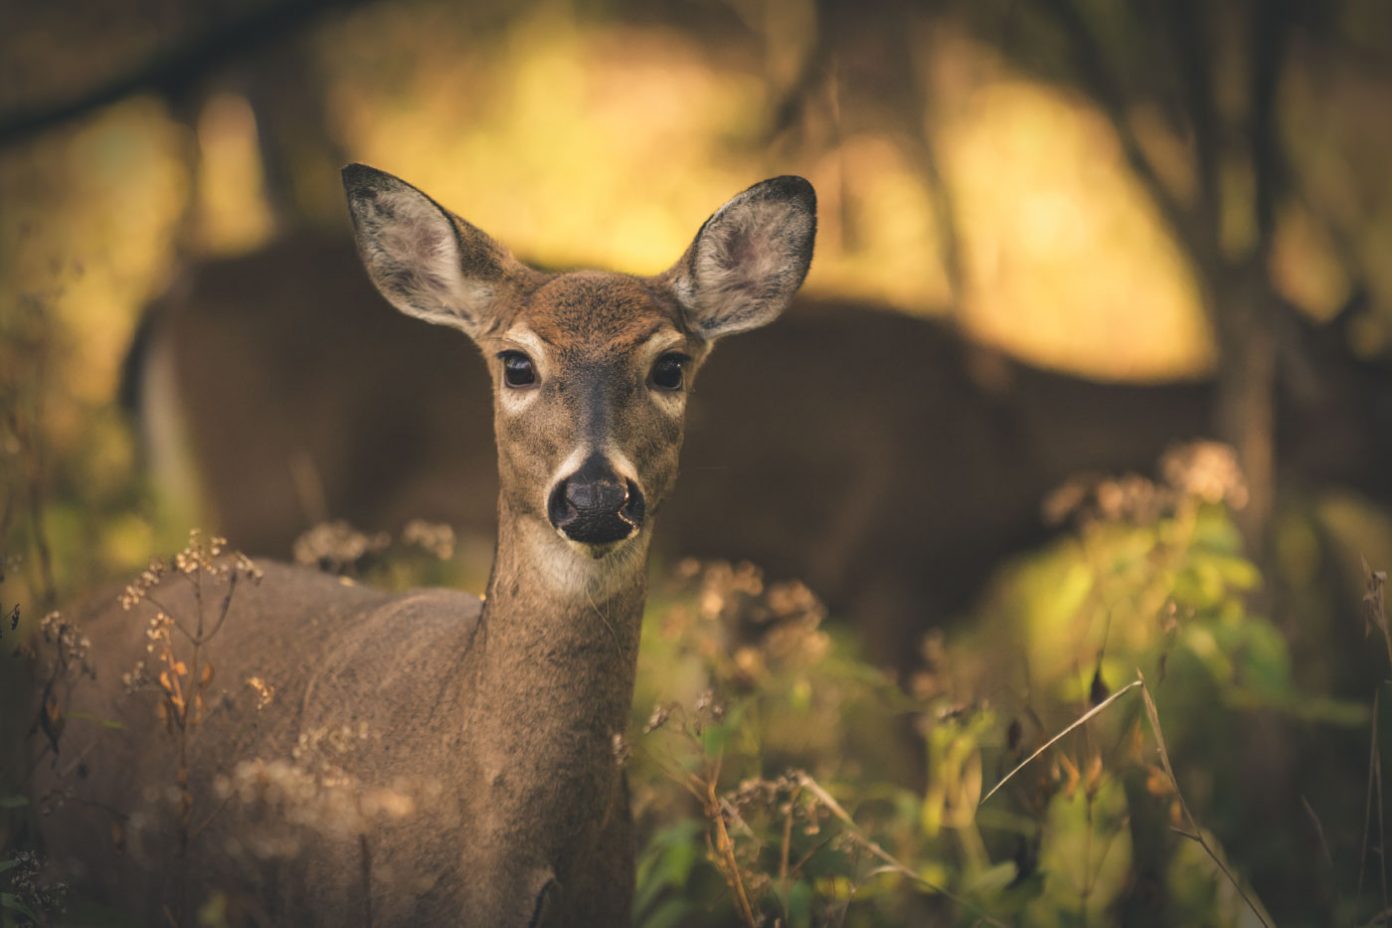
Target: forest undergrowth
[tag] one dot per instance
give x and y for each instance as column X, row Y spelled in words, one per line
column 1118, row 736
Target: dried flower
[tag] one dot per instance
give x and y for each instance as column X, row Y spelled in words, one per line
column 337, row 546
column 660, row 714
column 436, row 538
column 620, row 749
column 265, row 692
column 138, row 590
column 137, row 678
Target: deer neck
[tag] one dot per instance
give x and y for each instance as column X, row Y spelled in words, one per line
column 557, row 654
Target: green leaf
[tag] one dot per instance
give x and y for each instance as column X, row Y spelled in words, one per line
column 11, row 901
column 667, row 861
column 993, row 879
column 111, row 724
column 669, row 914
column 1016, row 897
column 798, row 902
column 1216, row 532
column 718, row 735
column 680, row 858
column 1238, row 572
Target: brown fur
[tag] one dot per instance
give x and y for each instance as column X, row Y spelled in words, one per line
column 487, row 733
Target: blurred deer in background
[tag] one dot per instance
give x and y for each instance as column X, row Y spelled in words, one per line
column 504, row 718
column 885, row 460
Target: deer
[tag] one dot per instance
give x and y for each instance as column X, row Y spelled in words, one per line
column 498, row 719
column 889, row 461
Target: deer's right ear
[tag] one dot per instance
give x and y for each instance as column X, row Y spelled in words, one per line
column 425, row 260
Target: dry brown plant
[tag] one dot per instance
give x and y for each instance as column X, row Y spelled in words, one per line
column 177, row 668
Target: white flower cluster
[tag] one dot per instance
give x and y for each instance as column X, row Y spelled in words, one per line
column 74, row 646
column 436, row 538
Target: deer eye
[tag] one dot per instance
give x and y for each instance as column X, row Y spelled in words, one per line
column 667, row 372
column 518, row 369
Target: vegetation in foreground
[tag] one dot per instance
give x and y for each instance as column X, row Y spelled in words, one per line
column 1089, row 753
column 1109, row 742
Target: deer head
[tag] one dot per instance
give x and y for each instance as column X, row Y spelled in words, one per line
column 590, row 369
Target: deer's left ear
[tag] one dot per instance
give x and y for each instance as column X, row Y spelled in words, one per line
column 748, row 259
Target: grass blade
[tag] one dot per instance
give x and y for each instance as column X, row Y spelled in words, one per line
column 1194, row 832
column 1080, row 720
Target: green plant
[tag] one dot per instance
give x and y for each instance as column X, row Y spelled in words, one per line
column 26, row 898
column 770, row 763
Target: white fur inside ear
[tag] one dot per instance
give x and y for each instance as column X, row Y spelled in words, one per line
column 412, row 252
column 748, row 261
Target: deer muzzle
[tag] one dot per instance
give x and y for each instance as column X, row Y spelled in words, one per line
column 595, row 505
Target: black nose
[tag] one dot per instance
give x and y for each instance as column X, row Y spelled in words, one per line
column 594, row 505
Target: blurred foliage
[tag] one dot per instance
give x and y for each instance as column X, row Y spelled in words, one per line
column 781, row 780
column 778, row 778
column 70, row 285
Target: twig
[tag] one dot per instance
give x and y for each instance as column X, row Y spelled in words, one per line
column 787, row 840
column 1099, row 81
column 1374, row 784
column 1381, row 918
column 222, row 609
column 1319, row 833
column 812, row 852
column 1080, row 720
column 173, row 617
column 726, row 848
column 171, row 69
column 198, row 829
column 685, row 779
column 893, row 865
column 1194, row 832
column 1382, row 836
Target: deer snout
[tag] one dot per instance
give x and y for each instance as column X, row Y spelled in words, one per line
column 595, row 505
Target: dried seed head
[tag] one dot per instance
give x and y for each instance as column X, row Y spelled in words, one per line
column 660, row 714
column 436, row 538
column 264, row 691
column 620, row 748
column 337, row 546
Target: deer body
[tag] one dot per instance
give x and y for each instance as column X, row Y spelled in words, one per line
column 427, row 758
column 438, row 711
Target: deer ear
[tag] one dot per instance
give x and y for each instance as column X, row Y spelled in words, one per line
column 425, row 260
column 748, row 259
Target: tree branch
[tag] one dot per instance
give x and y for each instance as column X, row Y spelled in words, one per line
column 788, row 111
column 1270, row 31
column 1104, row 88
column 1193, row 47
column 918, row 118
column 172, row 69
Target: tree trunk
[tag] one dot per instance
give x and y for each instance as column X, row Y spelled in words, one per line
column 1244, row 414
